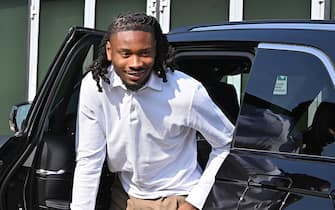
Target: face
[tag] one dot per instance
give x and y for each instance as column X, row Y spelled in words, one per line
column 132, row 54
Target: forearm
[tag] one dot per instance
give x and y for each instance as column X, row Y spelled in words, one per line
column 85, row 184
column 200, row 192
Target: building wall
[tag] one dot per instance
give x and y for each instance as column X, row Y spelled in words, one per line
column 106, row 10
column 57, row 16
column 283, row 9
column 198, row 12
column 13, row 57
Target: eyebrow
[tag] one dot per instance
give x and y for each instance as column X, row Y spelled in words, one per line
column 124, row 49
column 141, row 50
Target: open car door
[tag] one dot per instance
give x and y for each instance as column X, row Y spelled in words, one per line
column 37, row 164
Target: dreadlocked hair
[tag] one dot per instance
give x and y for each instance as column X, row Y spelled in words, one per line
column 132, row 22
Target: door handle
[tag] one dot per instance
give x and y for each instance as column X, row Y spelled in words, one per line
column 266, row 180
column 44, row 172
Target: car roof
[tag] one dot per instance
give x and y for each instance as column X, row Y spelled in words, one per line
column 256, row 31
column 328, row 25
column 317, row 34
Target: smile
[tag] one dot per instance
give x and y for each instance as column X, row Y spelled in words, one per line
column 135, row 75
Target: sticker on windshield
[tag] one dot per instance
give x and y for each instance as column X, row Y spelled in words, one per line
column 280, row 86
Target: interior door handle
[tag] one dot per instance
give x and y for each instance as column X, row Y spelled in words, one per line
column 44, row 172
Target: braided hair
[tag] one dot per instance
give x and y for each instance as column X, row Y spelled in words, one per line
column 132, row 22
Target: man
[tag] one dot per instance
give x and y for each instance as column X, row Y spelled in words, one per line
column 143, row 127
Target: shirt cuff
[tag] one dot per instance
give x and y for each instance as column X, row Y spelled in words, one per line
column 199, row 193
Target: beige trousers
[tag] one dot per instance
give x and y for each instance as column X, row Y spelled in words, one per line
column 121, row 201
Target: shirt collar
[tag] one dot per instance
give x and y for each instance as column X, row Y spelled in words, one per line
column 154, row 81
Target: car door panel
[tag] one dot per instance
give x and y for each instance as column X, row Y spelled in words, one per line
column 54, row 171
column 254, row 180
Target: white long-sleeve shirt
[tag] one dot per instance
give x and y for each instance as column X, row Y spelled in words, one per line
column 148, row 137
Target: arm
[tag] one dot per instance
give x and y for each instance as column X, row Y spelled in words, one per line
column 90, row 148
column 209, row 120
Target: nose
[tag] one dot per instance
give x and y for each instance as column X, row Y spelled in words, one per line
column 135, row 62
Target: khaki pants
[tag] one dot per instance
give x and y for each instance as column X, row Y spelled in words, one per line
column 121, row 201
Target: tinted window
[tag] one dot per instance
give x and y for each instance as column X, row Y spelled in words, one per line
column 64, row 108
column 288, row 105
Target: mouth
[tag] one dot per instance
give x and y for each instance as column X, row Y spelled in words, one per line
column 135, row 75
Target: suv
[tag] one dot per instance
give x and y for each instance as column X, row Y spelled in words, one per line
column 274, row 80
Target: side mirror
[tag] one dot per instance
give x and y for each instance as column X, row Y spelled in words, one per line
column 18, row 115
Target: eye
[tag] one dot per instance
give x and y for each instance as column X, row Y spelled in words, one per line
column 124, row 54
column 146, row 53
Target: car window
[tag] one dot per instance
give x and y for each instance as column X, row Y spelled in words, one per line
column 62, row 117
column 213, row 69
column 289, row 103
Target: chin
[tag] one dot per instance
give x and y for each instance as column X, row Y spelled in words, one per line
column 133, row 87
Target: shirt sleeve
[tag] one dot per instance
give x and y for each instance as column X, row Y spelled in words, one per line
column 90, row 147
column 209, row 120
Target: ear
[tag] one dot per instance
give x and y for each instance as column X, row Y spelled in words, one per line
column 109, row 51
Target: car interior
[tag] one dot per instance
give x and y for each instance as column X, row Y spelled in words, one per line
column 212, row 69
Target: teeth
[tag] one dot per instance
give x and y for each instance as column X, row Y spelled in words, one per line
column 134, row 73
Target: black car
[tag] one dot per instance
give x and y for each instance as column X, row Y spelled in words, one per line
column 274, row 81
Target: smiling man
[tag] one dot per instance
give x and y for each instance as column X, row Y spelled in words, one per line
column 133, row 55
column 142, row 119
